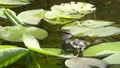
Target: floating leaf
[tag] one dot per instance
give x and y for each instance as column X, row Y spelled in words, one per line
column 84, row 63
column 102, row 49
column 52, row 14
column 52, row 51
column 95, row 23
column 15, row 33
column 37, row 32
column 113, row 59
column 103, row 32
column 73, row 10
column 12, row 3
column 93, row 30
column 41, row 14
column 29, row 16
column 12, row 33
column 30, row 41
column 59, row 21
column 57, row 14
column 33, row 45
column 74, row 30
column 10, row 55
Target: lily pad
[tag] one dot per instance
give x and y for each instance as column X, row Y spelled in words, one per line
column 15, row 33
column 84, row 63
column 35, row 46
column 41, row 14
column 10, row 55
column 113, row 59
column 30, row 41
column 29, row 16
column 73, row 10
column 50, row 17
column 102, row 49
column 58, row 14
column 59, row 21
column 95, row 23
column 80, row 30
column 52, row 14
column 103, row 32
column 14, row 2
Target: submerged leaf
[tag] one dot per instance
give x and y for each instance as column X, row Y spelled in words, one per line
column 10, row 55
column 84, row 63
column 29, row 16
column 102, row 49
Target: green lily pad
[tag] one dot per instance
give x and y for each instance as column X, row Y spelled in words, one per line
column 52, row 14
column 73, row 10
column 10, row 55
column 29, row 16
column 102, row 49
column 80, row 30
column 9, row 6
column 32, row 44
column 52, row 51
column 103, row 32
column 30, row 41
column 15, row 33
column 84, row 63
column 41, row 14
column 59, row 21
column 52, row 18
column 113, row 59
column 13, row 2
column 57, row 14
column 95, row 23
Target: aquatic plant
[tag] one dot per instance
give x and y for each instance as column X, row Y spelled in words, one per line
column 68, row 16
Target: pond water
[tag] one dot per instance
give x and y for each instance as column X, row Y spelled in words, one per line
column 108, row 10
